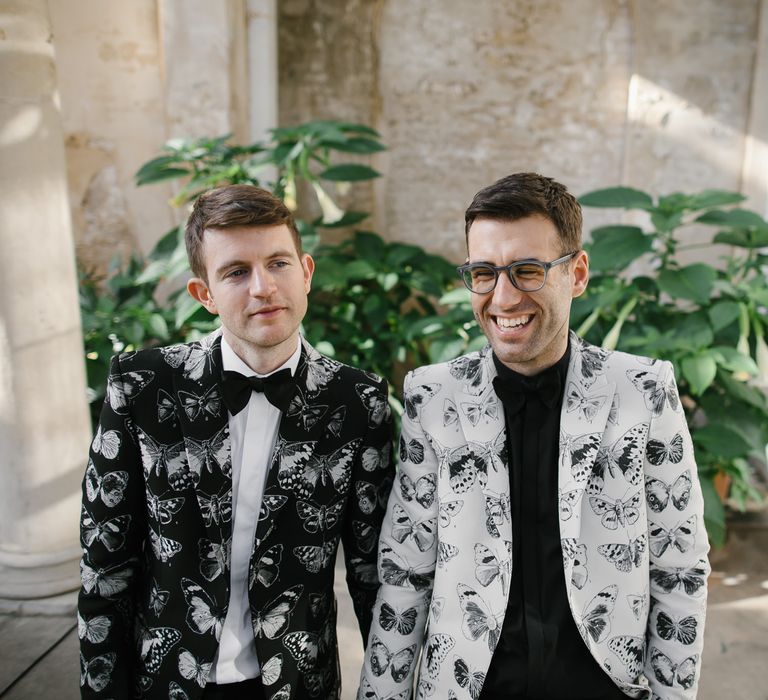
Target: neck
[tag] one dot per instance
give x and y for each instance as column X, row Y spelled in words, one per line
column 260, row 359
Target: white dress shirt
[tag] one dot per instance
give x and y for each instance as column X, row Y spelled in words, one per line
column 252, row 434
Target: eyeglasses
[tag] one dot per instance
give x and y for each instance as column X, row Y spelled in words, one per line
column 525, row 275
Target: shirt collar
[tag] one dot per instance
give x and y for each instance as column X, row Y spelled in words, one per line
column 560, row 368
column 231, row 361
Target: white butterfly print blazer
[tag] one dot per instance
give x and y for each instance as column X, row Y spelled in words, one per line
column 631, row 527
column 157, row 519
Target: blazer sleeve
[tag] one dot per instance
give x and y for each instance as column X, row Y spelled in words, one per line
column 371, row 480
column 407, row 556
column 111, row 535
column 678, row 547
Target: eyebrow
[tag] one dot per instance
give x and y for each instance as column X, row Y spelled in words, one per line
column 488, row 262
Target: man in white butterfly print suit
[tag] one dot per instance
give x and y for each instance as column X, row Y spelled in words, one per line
column 215, row 496
column 544, row 537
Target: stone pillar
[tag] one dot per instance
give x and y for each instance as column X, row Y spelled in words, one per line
column 44, row 424
column 755, row 171
column 262, row 67
column 204, row 44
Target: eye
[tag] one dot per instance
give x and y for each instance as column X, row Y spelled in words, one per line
column 528, row 271
column 279, row 264
column 236, row 273
column 482, row 273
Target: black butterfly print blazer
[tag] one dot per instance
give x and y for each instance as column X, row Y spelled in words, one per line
column 156, row 525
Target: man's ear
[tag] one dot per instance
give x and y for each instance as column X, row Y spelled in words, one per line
column 580, row 273
column 198, row 290
column 308, row 265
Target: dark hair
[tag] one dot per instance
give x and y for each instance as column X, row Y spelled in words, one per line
column 527, row 194
column 231, row 206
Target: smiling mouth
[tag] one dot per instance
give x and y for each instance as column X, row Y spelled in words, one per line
column 512, row 323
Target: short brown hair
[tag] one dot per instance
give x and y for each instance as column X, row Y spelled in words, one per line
column 231, row 206
column 528, row 194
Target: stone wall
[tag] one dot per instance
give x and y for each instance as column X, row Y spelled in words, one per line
column 656, row 95
column 133, row 75
column 662, row 95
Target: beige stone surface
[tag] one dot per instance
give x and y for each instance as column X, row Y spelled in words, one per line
column 44, row 424
column 110, row 63
column 659, row 95
column 496, row 88
column 328, row 58
column 594, row 93
column 690, row 105
column 204, row 51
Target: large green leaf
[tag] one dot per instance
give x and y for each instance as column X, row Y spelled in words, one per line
column 737, row 218
column 157, row 169
column 666, row 221
column 757, row 289
column 744, row 392
column 399, row 254
column 356, row 145
column 713, row 198
column 721, row 441
column 358, row 129
column 731, row 359
column 743, row 238
column 700, row 371
column 349, row 172
column 714, row 512
column 185, row 307
column 370, row 246
column 620, row 197
column 359, row 269
column 158, row 326
column 693, row 282
column 723, row 314
column 443, row 350
column 615, row 247
column 460, row 295
column 168, row 243
column 153, row 272
column 160, row 174
column 350, row 218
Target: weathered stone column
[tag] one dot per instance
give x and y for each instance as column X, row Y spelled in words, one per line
column 44, row 424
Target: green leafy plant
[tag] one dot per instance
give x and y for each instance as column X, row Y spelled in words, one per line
column 708, row 320
column 388, row 306
column 374, row 304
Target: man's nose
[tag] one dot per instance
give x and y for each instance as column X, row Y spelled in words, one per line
column 506, row 294
column 262, row 283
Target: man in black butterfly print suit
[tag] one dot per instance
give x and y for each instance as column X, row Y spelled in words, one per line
column 223, row 475
column 545, row 535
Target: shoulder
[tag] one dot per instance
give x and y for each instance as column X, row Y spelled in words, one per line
column 589, row 360
column 187, row 358
column 474, row 369
column 321, row 370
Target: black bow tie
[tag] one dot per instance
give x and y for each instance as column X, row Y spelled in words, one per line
column 514, row 391
column 277, row 388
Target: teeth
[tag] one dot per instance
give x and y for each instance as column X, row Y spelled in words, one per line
column 512, row 322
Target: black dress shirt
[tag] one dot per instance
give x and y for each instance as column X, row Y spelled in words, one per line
column 540, row 653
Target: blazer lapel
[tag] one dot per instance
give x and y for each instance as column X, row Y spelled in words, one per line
column 299, row 432
column 482, row 422
column 587, row 407
column 204, row 424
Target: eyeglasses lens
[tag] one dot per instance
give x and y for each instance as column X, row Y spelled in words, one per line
column 481, row 279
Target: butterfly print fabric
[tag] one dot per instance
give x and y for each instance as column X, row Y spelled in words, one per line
column 631, row 527
column 157, row 522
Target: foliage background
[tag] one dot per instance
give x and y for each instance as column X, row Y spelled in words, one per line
column 389, row 306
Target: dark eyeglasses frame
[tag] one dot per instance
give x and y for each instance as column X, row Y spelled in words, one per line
column 498, row 269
